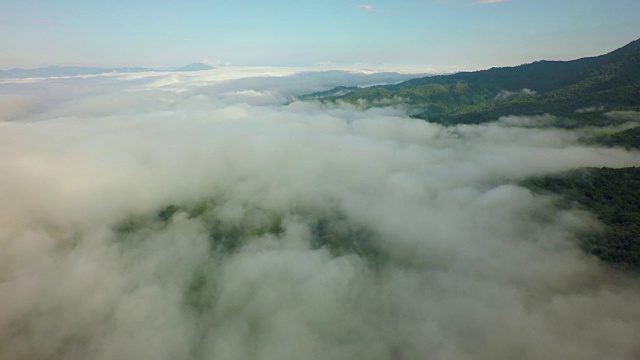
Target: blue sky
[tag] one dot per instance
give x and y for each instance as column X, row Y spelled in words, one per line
column 465, row 33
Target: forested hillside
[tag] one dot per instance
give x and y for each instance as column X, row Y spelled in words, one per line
column 607, row 82
column 628, row 139
column 613, row 195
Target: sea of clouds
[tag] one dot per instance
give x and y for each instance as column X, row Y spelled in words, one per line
column 212, row 216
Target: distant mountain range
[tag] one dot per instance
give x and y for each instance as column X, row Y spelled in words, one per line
column 195, row 67
column 575, row 88
column 57, row 71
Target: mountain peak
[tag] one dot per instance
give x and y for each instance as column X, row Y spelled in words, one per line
column 195, row 67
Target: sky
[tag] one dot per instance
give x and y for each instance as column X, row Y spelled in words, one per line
column 464, row 33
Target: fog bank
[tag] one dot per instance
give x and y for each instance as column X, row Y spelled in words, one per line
column 184, row 218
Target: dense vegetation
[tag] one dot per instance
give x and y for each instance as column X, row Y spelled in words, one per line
column 629, row 139
column 609, row 82
column 611, row 194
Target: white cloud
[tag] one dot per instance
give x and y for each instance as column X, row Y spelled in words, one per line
column 430, row 250
column 503, row 94
column 367, row 7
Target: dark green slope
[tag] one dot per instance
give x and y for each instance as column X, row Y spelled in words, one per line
column 628, row 139
column 613, row 195
column 610, row 81
column 540, row 76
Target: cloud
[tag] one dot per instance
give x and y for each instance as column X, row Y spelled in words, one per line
column 367, row 7
column 503, row 94
column 226, row 221
column 14, row 106
column 493, row 1
column 632, row 116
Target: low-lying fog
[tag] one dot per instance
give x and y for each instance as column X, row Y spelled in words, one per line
column 202, row 217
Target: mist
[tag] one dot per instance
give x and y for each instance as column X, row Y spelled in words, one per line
column 185, row 217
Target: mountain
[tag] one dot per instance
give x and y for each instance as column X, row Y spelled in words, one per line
column 606, row 82
column 195, row 67
column 613, row 195
column 57, row 71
